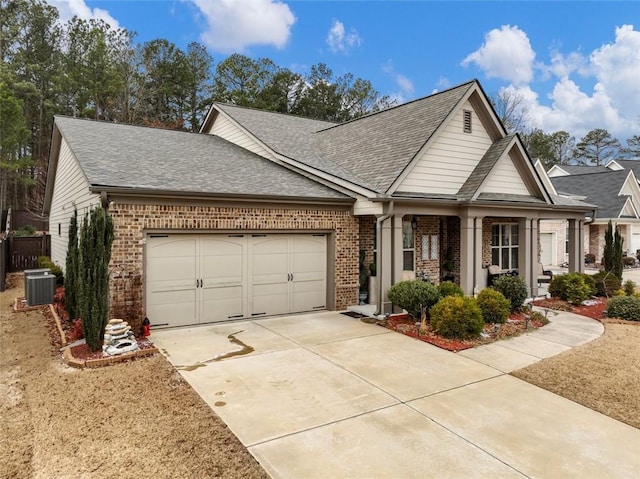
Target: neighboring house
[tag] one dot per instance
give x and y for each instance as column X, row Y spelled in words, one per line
column 264, row 213
column 613, row 189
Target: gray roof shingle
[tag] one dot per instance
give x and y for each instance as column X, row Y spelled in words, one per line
column 143, row 158
column 600, row 189
column 371, row 151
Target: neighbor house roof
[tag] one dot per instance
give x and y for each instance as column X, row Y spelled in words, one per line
column 599, row 188
column 371, row 151
column 153, row 159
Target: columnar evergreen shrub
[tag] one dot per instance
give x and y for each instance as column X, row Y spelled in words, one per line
column 514, row 288
column 413, row 295
column 449, row 288
column 612, row 258
column 606, row 283
column 457, row 317
column 618, row 266
column 71, row 269
column 624, row 307
column 607, row 255
column 95, row 253
column 494, row 306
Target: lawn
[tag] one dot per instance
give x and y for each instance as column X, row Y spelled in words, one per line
column 137, row 419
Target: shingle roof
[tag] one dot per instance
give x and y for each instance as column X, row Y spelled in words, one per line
column 138, row 157
column 600, row 189
column 583, row 170
column 484, row 167
column 371, row 151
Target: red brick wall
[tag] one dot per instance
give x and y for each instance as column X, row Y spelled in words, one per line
column 132, row 221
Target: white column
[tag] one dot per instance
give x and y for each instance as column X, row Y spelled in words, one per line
column 467, row 254
column 535, row 257
column 580, row 246
column 385, row 250
column 397, row 249
column 525, row 253
column 574, row 246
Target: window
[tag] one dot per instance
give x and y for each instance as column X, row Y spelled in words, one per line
column 504, row 245
column 408, row 247
column 467, row 121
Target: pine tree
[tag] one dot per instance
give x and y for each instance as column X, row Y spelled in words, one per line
column 71, row 270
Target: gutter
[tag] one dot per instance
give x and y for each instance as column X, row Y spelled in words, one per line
column 379, row 221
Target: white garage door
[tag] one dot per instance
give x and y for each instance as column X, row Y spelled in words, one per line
column 194, row 279
column 546, row 249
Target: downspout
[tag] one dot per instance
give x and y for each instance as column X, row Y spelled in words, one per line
column 379, row 221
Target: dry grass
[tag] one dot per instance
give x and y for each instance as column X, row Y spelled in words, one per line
column 603, row 375
column 139, row 419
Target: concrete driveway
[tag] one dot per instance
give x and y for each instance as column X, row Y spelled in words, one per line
column 325, row 395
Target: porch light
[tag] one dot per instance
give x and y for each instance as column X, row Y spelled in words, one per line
column 414, row 223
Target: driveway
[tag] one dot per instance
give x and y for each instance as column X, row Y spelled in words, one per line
column 326, row 395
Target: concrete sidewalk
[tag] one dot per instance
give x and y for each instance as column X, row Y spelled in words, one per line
column 326, row 395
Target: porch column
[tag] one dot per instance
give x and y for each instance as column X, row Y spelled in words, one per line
column 385, row 250
column 575, row 246
column 398, row 258
column 527, row 260
column 470, row 253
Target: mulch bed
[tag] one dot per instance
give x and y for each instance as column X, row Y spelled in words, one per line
column 72, row 333
column 594, row 308
column 515, row 325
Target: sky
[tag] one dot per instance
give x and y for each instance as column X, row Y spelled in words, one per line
column 575, row 64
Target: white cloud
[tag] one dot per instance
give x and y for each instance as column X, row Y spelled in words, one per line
column 70, row 8
column 234, row 25
column 339, row 40
column 404, row 84
column 506, row 54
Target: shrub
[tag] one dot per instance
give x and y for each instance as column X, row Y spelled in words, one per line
column 494, row 306
column 27, row 230
column 629, row 287
column 624, row 307
column 589, row 258
column 45, row 262
column 606, row 283
column 412, row 295
column 449, row 288
column 514, row 288
column 457, row 317
column 629, row 261
column 572, row 287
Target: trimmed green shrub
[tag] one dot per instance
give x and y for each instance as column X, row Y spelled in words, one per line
column 629, row 287
column 624, row 307
column 572, row 287
column 606, row 283
column 494, row 306
column 449, row 288
column 413, row 295
column 457, row 317
column 514, row 288
column 45, row 262
column 28, row 230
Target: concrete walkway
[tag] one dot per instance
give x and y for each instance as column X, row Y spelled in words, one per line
column 325, row 395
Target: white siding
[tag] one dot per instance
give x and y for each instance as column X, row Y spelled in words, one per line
column 504, row 178
column 71, row 187
column 450, row 159
column 224, row 128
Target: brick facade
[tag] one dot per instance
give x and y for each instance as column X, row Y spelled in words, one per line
column 132, row 221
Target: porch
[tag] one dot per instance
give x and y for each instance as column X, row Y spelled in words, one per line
column 459, row 245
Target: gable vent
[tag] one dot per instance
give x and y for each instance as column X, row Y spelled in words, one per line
column 467, row 121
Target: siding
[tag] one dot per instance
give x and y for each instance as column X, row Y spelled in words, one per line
column 450, row 159
column 504, row 178
column 71, row 187
column 224, row 128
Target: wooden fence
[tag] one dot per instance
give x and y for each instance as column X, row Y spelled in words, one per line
column 23, row 251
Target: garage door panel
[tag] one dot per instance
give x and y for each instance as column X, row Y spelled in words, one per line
column 222, row 303
column 172, row 308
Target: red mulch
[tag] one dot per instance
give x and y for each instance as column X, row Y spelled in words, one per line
column 594, row 310
column 515, row 325
column 69, row 328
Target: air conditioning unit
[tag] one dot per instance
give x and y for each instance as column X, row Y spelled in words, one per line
column 39, row 286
